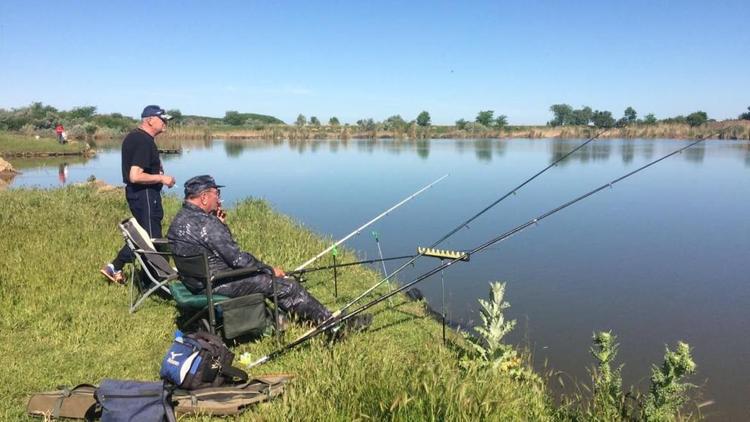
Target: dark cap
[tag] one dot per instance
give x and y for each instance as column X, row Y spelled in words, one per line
column 198, row 184
column 155, row 110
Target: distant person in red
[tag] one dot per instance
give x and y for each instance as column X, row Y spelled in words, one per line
column 59, row 129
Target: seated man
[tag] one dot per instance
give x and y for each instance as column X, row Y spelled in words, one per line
column 200, row 227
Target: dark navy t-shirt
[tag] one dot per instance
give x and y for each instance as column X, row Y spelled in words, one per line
column 139, row 149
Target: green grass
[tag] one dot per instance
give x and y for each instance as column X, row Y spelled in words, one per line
column 61, row 324
column 13, row 144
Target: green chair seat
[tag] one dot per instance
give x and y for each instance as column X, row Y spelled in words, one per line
column 187, row 300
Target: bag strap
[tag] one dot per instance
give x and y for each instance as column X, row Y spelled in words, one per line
column 166, row 398
column 234, row 372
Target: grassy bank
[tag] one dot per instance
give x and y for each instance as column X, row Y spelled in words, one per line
column 61, row 324
column 12, row 144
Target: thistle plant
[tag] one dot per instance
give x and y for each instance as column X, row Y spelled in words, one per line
column 487, row 346
column 609, row 401
column 668, row 391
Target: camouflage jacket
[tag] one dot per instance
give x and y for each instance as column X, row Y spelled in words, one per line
column 193, row 231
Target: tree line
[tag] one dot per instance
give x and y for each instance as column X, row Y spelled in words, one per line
column 84, row 121
column 565, row 115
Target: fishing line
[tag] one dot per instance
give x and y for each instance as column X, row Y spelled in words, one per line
column 362, row 227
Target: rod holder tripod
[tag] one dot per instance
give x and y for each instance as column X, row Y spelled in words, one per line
column 443, row 255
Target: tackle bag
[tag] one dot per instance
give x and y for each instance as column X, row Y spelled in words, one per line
column 245, row 316
column 76, row 403
column 134, row 401
column 199, row 360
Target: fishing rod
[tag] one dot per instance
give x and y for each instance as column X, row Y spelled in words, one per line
column 362, row 227
column 513, row 191
column 465, row 224
column 332, row 322
column 347, row 264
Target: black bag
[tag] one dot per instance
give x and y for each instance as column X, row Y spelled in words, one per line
column 134, row 401
column 199, row 360
column 245, row 316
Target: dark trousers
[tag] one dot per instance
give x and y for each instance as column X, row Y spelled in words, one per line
column 292, row 297
column 145, row 205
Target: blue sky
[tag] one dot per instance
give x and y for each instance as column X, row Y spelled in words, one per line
column 375, row 59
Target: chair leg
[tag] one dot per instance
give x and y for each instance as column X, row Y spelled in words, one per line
column 276, row 314
column 146, row 294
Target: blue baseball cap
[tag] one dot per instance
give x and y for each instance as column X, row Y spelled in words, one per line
column 198, row 184
column 155, row 110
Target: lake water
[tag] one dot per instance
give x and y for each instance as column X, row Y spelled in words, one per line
column 662, row 256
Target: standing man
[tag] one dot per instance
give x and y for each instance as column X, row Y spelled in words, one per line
column 144, row 177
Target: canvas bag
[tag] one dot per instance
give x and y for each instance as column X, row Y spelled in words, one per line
column 134, row 401
column 76, row 403
column 230, row 399
column 245, row 316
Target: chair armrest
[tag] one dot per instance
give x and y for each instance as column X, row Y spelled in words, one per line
column 235, row 273
column 161, row 244
column 145, row 252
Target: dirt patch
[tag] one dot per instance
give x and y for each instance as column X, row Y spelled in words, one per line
column 6, row 167
column 100, row 186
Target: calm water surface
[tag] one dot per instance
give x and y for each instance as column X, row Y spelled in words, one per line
column 663, row 256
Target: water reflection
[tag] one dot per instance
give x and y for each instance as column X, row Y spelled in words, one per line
column 35, row 163
column 627, row 151
column 696, row 153
column 423, row 148
column 62, row 173
column 598, row 150
column 483, row 149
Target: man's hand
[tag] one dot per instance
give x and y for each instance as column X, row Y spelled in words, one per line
column 221, row 215
column 168, row 180
column 278, row 272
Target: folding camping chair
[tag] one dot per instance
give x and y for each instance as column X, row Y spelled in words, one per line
column 240, row 316
column 155, row 269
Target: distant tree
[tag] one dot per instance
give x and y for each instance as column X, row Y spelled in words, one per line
column 314, row 121
column 649, row 119
column 580, row 117
column 676, row 119
column 301, row 120
column 366, row 124
column 696, row 119
column 630, row 114
column 485, row 117
column 86, row 112
column 745, row 116
column 461, row 124
column 176, row 115
column 501, row 121
column 423, row 119
column 233, row 118
column 333, row 121
column 603, row 119
column 395, row 123
column 563, row 114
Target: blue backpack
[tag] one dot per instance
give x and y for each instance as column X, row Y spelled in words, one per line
column 199, row 360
